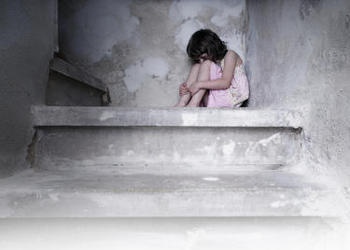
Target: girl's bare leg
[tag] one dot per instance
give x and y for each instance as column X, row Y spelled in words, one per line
column 192, row 77
column 203, row 75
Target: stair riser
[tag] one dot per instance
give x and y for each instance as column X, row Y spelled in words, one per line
column 214, row 146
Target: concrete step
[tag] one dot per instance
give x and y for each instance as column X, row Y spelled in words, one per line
column 264, row 233
column 122, row 192
column 69, row 85
column 65, row 68
column 81, row 136
column 44, row 116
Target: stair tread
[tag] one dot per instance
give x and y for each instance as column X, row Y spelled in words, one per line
column 63, row 67
column 80, row 178
column 87, row 192
column 183, row 117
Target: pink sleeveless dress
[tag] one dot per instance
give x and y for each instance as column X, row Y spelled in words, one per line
column 235, row 95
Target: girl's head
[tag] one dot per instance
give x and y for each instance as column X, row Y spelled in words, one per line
column 205, row 44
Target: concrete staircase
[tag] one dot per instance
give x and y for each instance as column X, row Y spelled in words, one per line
column 164, row 162
column 69, row 85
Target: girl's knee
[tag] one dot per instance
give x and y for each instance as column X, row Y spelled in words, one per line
column 196, row 66
column 205, row 67
column 195, row 69
column 206, row 64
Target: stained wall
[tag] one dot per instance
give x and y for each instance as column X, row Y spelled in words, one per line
column 138, row 47
column 298, row 57
column 26, row 46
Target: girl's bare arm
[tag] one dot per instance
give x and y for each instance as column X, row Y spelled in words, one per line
column 230, row 62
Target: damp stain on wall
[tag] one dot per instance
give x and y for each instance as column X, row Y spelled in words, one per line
column 138, row 47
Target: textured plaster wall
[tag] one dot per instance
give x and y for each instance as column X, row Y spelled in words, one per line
column 298, row 56
column 26, row 44
column 138, row 47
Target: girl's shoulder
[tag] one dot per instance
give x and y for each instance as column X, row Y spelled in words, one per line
column 232, row 54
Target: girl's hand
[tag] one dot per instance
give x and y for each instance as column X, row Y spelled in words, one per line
column 183, row 90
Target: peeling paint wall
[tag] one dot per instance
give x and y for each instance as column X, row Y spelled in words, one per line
column 138, row 47
column 26, row 46
column 299, row 58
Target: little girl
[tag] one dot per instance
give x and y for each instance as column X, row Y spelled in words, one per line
column 217, row 77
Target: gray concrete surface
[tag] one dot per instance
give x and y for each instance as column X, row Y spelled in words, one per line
column 63, row 67
column 166, row 117
column 298, row 57
column 26, row 46
column 175, row 233
column 80, row 136
column 217, row 147
column 69, row 85
column 64, row 91
column 91, row 192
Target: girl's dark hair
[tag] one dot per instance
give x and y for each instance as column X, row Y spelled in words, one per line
column 206, row 41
